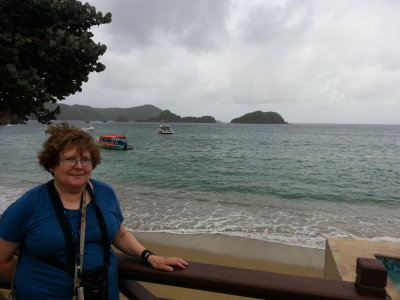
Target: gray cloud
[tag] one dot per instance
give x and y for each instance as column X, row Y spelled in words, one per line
column 194, row 25
column 311, row 61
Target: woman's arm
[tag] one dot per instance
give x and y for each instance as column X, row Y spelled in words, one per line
column 128, row 244
column 7, row 258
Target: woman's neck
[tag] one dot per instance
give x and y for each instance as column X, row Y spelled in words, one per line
column 71, row 199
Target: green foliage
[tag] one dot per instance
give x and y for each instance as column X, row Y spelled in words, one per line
column 46, row 53
column 203, row 119
column 88, row 113
column 132, row 113
column 75, row 112
column 164, row 115
column 259, row 117
column 171, row 117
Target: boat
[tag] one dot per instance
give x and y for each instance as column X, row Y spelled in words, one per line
column 164, row 128
column 88, row 127
column 114, row 142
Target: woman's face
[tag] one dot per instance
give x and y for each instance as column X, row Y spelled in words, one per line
column 70, row 174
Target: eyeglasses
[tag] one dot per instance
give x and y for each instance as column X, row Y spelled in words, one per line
column 86, row 162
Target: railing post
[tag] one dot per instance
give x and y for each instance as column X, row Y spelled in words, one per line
column 371, row 277
column 134, row 290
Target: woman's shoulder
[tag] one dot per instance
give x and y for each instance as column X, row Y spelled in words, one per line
column 99, row 185
column 34, row 194
column 27, row 205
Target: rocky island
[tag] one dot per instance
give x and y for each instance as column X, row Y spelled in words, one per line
column 259, row 117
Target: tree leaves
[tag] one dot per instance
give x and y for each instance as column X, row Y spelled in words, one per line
column 46, row 53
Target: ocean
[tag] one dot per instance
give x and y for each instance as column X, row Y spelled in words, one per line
column 293, row 183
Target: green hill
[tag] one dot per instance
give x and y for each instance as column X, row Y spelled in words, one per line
column 88, row 113
column 171, row 117
column 144, row 113
column 259, row 117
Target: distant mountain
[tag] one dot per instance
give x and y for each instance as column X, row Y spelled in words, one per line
column 144, row 113
column 259, row 117
column 171, row 117
column 88, row 113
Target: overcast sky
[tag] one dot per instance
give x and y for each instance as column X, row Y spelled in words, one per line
column 319, row 61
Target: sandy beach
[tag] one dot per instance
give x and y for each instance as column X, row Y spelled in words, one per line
column 230, row 251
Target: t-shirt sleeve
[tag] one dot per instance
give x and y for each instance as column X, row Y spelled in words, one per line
column 15, row 220
column 106, row 194
column 118, row 212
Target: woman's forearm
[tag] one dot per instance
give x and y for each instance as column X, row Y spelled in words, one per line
column 127, row 243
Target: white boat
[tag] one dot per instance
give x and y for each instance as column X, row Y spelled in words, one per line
column 88, row 127
column 164, row 128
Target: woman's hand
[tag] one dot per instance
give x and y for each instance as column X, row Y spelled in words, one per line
column 166, row 263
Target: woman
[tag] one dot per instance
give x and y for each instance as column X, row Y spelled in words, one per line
column 44, row 225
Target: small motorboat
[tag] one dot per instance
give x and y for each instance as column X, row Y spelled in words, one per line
column 88, row 127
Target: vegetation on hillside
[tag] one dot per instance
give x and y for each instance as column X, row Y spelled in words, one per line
column 259, row 117
column 171, row 117
column 46, row 53
column 88, row 113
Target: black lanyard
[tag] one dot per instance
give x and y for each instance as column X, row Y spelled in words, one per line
column 66, row 229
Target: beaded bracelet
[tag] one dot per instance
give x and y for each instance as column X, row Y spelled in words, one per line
column 145, row 255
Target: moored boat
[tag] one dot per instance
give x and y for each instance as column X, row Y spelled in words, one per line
column 114, row 142
column 164, row 128
column 88, row 127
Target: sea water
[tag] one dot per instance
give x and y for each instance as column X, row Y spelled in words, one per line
column 290, row 183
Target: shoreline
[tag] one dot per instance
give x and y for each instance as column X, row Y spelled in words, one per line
column 239, row 247
column 230, row 251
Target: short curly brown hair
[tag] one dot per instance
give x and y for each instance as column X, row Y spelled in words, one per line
column 62, row 137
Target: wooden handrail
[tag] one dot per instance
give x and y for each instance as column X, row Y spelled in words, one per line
column 242, row 282
column 236, row 281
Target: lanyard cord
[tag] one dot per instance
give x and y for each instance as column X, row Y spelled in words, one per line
column 81, row 247
column 66, row 229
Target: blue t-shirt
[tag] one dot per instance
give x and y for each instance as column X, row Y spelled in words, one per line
column 31, row 221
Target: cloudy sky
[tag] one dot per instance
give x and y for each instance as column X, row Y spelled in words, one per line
column 318, row 61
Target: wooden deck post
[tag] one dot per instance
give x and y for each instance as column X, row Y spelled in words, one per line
column 371, row 277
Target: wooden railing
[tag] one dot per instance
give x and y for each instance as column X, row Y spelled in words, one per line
column 251, row 283
column 371, row 280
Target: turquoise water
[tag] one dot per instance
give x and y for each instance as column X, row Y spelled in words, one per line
column 393, row 268
column 295, row 183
